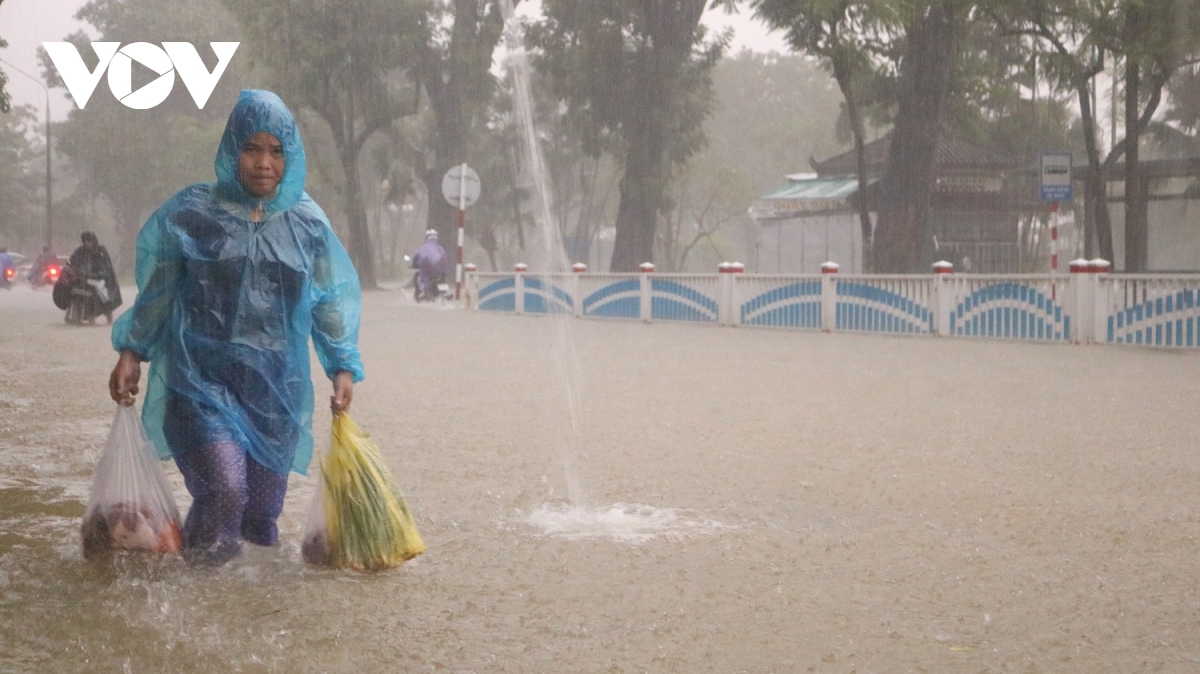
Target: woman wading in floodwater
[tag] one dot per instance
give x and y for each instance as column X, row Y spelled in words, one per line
column 233, row 278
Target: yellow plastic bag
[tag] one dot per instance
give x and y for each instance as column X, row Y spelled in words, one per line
column 359, row 519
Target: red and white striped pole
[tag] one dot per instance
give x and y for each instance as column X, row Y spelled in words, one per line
column 1053, row 248
column 462, row 224
column 1054, row 238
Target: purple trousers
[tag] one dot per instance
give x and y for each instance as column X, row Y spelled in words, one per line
column 234, row 498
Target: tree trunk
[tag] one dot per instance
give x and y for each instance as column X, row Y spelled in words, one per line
column 456, row 82
column 905, row 191
column 842, row 74
column 449, row 151
column 1136, row 239
column 642, row 188
column 441, row 215
column 671, row 26
column 1095, row 189
column 129, row 221
column 362, row 253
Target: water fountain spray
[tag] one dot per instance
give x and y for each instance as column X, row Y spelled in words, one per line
column 555, row 257
column 626, row 522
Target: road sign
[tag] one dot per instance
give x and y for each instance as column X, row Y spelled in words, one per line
column 460, row 186
column 1056, row 176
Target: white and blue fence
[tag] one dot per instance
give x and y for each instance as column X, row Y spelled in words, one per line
column 1089, row 305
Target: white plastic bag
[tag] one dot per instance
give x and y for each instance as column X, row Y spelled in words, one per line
column 131, row 506
column 314, row 548
column 101, row 289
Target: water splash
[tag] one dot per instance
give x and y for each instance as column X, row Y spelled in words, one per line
column 624, row 522
column 554, row 254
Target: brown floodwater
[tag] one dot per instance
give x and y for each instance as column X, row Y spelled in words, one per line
column 749, row 501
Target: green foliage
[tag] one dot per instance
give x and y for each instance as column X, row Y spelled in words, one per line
column 772, row 114
column 5, row 101
column 1150, row 41
column 636, row 81
column 603, row 61
column 454, row 68
column 352, row 63
column 22, row 180
column 345, row 60
column 710, row 198
column 1179, row 131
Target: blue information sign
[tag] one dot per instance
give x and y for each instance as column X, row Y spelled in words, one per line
column 1056, row 176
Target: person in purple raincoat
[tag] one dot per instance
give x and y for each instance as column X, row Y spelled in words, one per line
column 431, row 263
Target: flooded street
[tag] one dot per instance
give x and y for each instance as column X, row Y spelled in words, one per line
column 803, row 502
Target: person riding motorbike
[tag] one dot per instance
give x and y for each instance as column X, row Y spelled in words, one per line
column 431, row 263
column 8, row 268
column 46, row 268
column 88, row 286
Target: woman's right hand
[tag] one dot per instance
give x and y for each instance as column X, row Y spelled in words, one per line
column 123, row 382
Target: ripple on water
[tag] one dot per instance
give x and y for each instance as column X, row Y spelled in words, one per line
column 624, row 522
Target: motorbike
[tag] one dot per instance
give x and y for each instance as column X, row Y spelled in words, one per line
column 79, row 296
column 6, row 281
column 47, row 275
column 439, row 291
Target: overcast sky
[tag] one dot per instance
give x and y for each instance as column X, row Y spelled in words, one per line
column 25, row 24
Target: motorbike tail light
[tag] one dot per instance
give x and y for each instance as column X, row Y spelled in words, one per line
column 54, row 272
column 9, row 273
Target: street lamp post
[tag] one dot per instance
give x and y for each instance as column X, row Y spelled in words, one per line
column 49, row 195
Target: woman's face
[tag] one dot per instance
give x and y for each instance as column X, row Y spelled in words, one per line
column 260, row 165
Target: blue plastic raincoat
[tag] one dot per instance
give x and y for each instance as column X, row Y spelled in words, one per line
column 226, row 306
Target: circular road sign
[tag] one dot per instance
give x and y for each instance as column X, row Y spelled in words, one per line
column 461, row 181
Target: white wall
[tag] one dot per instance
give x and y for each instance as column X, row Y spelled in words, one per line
column 801, row 245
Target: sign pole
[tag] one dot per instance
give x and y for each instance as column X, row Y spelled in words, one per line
column 1055, row 187
column 1054, row 248
column 461, row 187
column 462, row 224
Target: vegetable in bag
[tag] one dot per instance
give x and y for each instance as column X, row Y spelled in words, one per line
column 359, row 518
column 131, row 505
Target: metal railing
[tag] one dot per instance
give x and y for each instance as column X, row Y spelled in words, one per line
column 1088, row 305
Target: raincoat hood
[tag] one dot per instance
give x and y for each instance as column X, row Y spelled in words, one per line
column 255, row 111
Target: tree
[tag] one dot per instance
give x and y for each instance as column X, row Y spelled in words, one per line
column 135, row 159
column 581, row 187
column 930, row 56
column 1178, row 133
column 847, row 36
column 21, row 173
column 1073, row 62
column 1154, row 40
column 1157, row 42
column 453, row 66
column 350, row 62
column 5, row 101
column 791, row 101
column 636, row 79
column 916, row 42
column 708, row 197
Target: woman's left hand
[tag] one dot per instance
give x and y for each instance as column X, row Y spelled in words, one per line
column 343, row 392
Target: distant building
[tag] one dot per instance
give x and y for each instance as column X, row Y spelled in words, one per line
column 1172, row 189
column 974, row 216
